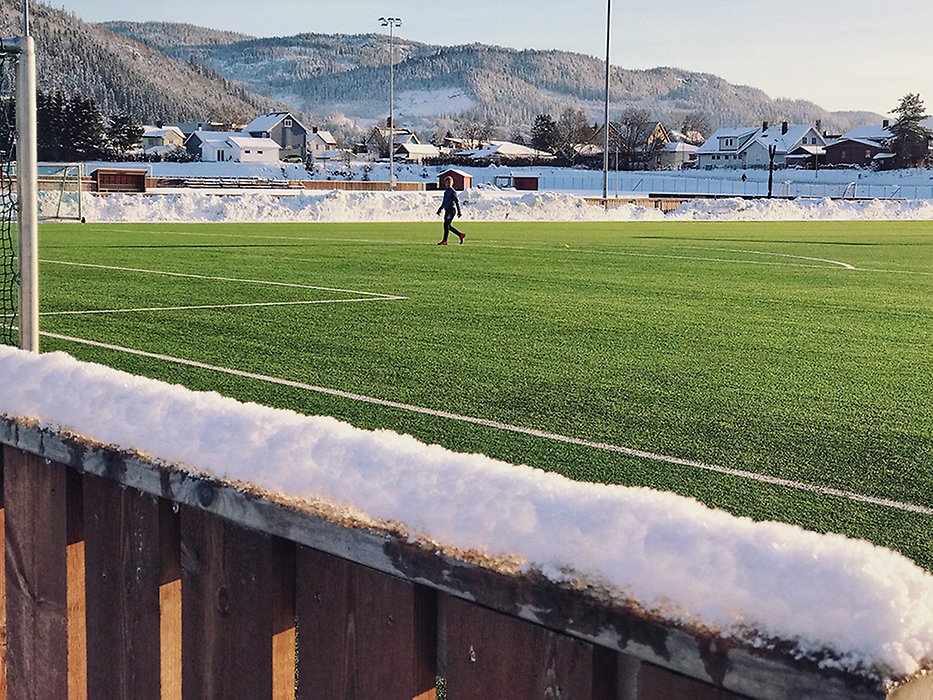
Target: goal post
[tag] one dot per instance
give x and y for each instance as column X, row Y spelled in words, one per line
column 60, row 191
column 20, row 145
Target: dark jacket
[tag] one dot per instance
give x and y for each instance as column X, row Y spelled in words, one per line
column 451, row 203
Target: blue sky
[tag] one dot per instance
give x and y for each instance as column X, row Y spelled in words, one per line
column 841, row 54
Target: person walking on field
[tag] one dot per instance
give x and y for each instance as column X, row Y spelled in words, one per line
column 451, row 207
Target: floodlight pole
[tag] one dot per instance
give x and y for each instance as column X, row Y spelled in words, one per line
column 391, row 23
column 27, row 189
column 606, row 116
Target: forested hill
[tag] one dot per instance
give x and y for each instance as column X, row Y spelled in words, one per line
column 436, row 85
column 123, row 75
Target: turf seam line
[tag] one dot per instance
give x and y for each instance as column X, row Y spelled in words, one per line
column 628, row 451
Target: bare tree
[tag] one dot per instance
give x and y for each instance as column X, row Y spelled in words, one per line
column 637, row 138
column 573, row 129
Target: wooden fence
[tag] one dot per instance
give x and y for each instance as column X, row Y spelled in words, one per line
column 133, row 580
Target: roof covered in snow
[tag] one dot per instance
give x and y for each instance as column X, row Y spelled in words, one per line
column 246, row 141
column 267, row 122
column 870, row 132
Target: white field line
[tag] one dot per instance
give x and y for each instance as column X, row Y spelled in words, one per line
column 779, row 255
column 224, row 279
column 491, row 244
column 219, row 306
column 628, row 451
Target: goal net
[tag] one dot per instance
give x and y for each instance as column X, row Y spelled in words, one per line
column 59, row 191
column 8, row 214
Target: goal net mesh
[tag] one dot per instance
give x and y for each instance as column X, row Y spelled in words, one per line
column 8, row 265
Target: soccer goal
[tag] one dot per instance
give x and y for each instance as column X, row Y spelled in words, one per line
column 19, row 200
column 59, row 191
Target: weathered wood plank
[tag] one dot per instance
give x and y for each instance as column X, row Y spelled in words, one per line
column 284, row 625
column 361, row 633
column 656, row 683
column 36, row 577
column 226, row 609
column 170, row 599
column 123, row 571
column 488, row 652
column 77, row 601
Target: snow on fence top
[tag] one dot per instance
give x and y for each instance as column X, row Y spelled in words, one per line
column 869, row 608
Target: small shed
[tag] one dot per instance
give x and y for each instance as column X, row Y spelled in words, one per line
column 462, row 180
column 113, row 180
column 524, row 182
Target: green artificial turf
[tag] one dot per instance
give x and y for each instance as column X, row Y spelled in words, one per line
column 752, row 346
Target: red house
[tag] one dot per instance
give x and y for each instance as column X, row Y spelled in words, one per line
column 462, row 180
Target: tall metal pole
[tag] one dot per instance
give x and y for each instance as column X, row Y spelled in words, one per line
column 391, row 23
column 27, row 187
column 606, row 116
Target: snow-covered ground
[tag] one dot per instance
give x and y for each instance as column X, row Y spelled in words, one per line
column 866, row 605
column 486, row 202
column 478, row 204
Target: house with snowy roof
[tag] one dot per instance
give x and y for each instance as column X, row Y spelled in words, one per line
column 377, row 141
column 504, row 151
column 320, row 142
column 283, row 128
column 863, row 146
column 162, row 137
column 221, row 146
column 676, row 155
column 417, row 152
column 748, row 147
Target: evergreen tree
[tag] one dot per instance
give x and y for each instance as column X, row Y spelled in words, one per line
column 124, row 133
column 911, row 140
column 544, row 133
column 84, row 129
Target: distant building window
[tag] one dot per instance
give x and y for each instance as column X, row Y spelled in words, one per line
column 247, row 151
column 259, row 152
column 287, row 123
column 867, row 154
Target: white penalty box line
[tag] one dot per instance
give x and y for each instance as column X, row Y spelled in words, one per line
column 362, row 296
column 570, row 440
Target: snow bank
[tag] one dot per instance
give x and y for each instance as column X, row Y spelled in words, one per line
column 478, row 204
column 870, row 606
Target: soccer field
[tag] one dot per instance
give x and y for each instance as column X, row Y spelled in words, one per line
column 776, row 370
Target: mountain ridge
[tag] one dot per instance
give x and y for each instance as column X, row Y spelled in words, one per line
column 347, row 75
column 181, row 72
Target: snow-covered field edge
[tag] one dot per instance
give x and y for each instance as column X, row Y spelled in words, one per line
column 478, row 204
column 849, row 603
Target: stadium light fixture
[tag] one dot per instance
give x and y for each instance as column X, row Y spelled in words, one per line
column 391, row 23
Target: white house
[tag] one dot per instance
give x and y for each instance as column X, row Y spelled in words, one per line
column 747, row 147
column 320, row 142
column 249, row 149
column 417, row 152
column 162, row 136
column 218, row 146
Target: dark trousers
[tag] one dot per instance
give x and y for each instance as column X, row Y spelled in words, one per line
column 449, row 215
